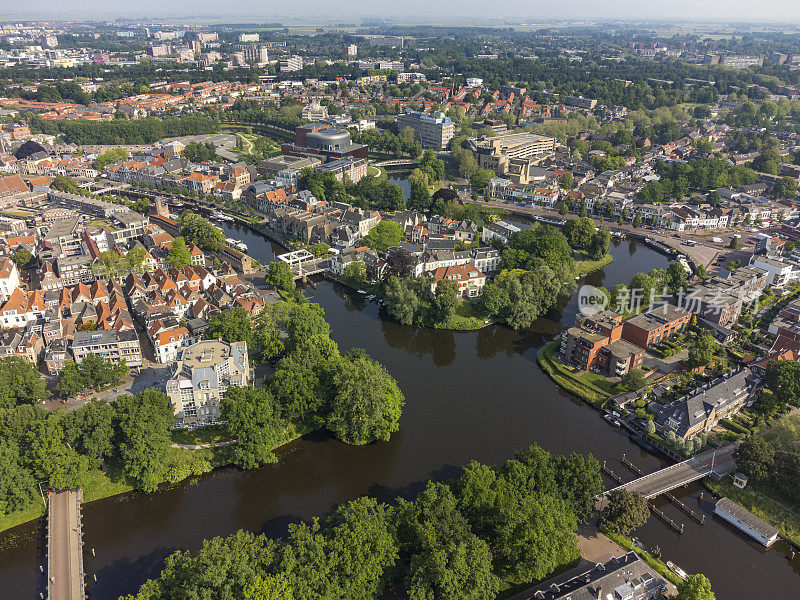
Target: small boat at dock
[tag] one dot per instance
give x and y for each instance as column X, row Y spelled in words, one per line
column 676, row 569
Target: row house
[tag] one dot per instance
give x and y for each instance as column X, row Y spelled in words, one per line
column 22, row 308
column 27, row 345
column 169, row 341
column 111, row 345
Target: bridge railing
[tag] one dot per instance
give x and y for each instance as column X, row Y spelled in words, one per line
column 49, row 544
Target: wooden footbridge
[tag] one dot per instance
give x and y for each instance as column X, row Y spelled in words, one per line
column 65, row 546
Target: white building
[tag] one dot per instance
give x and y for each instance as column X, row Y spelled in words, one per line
column 474, row 82
column 201, row 377
column 290, row 63
column 9, row 278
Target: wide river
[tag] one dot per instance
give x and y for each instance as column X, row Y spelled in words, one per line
column 476, row 395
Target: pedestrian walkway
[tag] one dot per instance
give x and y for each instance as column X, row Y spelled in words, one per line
column 64, row 546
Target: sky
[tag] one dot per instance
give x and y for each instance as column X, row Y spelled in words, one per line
column 786, row 11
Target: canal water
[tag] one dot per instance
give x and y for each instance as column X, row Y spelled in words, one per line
column 472, row 395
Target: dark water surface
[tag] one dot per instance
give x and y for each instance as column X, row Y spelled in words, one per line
column 477, row 395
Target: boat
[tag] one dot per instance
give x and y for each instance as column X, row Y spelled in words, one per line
column 676, row 569
column 240, row 246
column 362, row 292
column 611, row 420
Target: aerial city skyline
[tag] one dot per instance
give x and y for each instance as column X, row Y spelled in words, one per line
column 399, row 301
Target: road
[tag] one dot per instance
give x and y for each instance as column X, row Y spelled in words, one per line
column 705, row 252
column 65, row 575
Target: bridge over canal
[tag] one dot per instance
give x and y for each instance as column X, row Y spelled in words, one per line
column 64, row 546
column 718, row 461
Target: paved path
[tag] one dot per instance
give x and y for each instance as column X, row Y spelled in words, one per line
column 202, row 446
column 65, row 547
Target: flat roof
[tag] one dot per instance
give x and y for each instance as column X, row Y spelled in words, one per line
column 746, row 517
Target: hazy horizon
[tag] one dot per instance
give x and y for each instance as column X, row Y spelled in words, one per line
column 773, row 12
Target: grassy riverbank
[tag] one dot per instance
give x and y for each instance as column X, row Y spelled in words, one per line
column 182, row 464
column 655, row 563
column 589, row 387
column 583, row 267
column 763, row 503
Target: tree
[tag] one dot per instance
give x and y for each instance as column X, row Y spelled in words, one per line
column 361, row 541
column 280, row 276
column 494, row 299
column 579, row 232
column 702, row 350
column 566, row 181
column 446, row 560
column 253, row 420
column 637, row 220
column 144, row 422
column 17, row 485
column 22, row 257
column 384, row 235
column 367, row 404
column 785, row 187
column 306, row 320
column 231, row 325
column 109, row 157
column 70, row 381
column 179, row 255
column 197, row 230
column 20, row 383
column 134, row 259
column 269, row 588
column 356, row 273
column 756, row 459
column 783, row 379
column 677, row 278
column 480, row 179
column 109, row 265
column 446, row 299
column 695, row 587
column 734, row 243
column 701, row 273
column 625, row 512
column 52, row 460
column 632, row 380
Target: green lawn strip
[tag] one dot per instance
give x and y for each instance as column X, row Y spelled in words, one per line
column 763, row 503
column 655, row 563
column 567, row 380
column 587, row 266
column 209, row 434
column 181, row 462
column 30, row 512
column 467, row 317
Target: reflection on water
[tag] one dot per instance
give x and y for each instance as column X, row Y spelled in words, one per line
column 469, row 395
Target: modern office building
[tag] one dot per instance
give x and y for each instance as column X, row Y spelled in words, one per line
column 506, row 154
column 290, row 63
column 433, row 131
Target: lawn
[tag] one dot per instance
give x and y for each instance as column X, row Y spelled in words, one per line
column 583, row 385
column 583, row 267
column 209, row 434
column 764, row 503
column 467, row 317
column 655, row 563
